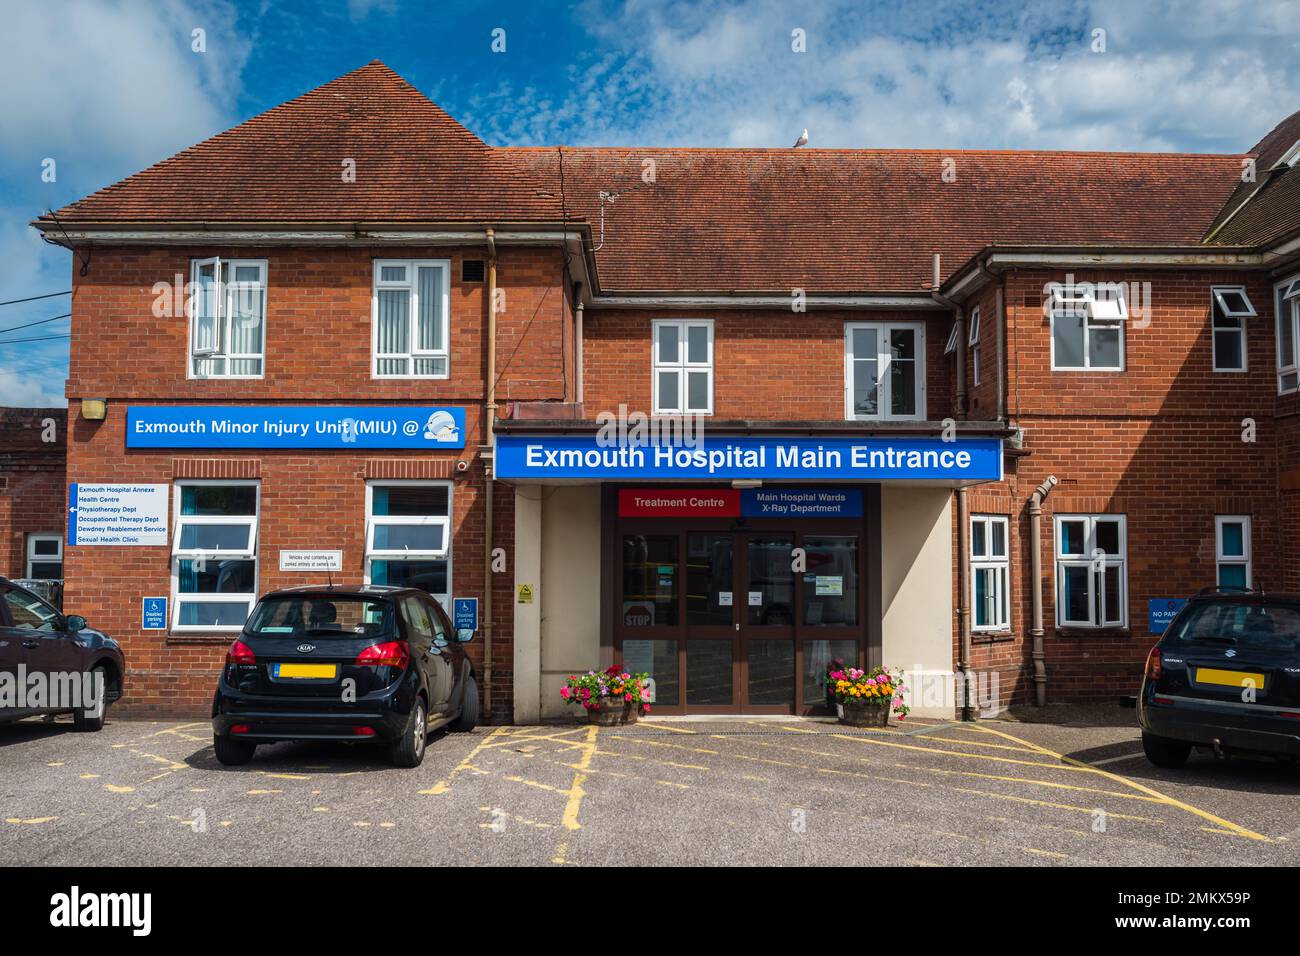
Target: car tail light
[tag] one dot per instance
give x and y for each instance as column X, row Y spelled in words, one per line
column 1153, row 664
column 240, row 653
column 388, row 654
column 239, row 729
column 363, row 731
column 1290, row 714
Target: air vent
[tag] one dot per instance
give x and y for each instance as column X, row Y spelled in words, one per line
column 472, row 270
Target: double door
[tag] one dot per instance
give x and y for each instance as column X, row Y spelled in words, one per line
column 739, row 620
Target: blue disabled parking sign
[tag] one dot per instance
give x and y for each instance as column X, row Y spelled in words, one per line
column 153, row 614
column 465, row 613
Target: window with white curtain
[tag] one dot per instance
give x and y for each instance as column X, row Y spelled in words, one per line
column 1091, row 571
column 884, row 370
column 1232, row 551
column 214, row 554
column 411, row 318
column 683, row 367
column 408, row 536
column 227, row 312
column 990, row 573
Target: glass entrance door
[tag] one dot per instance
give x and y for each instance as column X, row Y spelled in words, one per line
column 738, row 621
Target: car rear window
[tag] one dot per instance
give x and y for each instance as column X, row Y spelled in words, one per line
column 322, row 615
column 1262, row 625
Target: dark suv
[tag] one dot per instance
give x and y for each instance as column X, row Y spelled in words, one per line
column 1226, row 676
column 344, row 663
column 82, row 668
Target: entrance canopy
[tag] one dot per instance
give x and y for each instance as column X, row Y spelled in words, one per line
column 955, row 461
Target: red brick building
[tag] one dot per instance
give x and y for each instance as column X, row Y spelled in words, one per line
column 885, row 354
column 33, row 445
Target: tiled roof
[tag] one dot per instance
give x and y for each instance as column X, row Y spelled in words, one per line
column 714, row 220
column 1268, row 209
column 859, row 220
column 413, row 163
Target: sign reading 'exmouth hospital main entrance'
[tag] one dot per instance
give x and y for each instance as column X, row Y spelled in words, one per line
column 294, row 426
column 726, row 458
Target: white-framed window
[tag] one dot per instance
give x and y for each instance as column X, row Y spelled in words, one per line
column 1286, row 297
column 683, row 366
column 408, row 536
column 950, row 347
column 1231, row 307
column 990, row 573
column 45, row 556
column 1232, row 551
column 411, row 318
column 973, row 340
column 1091, row 571
column 227, row 316
column 1088, row 328
column 214, row 554
column 884, row 370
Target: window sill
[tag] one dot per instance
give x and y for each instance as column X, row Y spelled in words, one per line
column 1084, row 632
column 206, row 637
column 992, row 637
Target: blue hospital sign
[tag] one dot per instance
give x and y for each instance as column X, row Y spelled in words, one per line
column 153, row 614
column 295, row 426
column 731, row 457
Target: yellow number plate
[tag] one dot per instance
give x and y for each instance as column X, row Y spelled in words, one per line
column 1208, row 675
column 307, row 670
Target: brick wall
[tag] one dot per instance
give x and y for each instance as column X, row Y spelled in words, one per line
column 317, row 350
column 32, row 481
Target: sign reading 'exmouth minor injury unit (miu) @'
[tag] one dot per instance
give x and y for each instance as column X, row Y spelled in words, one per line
column 117, row 514
column 295, row 426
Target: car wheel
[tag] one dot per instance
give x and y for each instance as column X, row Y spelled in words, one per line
column 1164, row 752
column 231, row 751
column 468, row 718
column 408, row 749
column 91, row 719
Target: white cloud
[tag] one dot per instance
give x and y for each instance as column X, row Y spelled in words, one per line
column 1212, row 76
column 42, row 389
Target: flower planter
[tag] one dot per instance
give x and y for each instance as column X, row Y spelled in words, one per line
column 612, row 713
column 860, row 713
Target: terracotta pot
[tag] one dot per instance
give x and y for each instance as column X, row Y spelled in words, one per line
column 860, row 713
column 612, row 713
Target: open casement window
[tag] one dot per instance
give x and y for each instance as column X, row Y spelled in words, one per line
column 950, row 348
column 683, row 367
column 973, row 340
column 1091, row 571
column 1287, row 301
column 990, row 573
column 45, row 557
column 1231, row 308
column 408, row 536
column 227, row 309
column 412, row 317
column 214, row 554
column 1088, row 327
column 1232, row 551
column 884, row 370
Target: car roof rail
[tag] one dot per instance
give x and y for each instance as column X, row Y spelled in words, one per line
column 1226, row 589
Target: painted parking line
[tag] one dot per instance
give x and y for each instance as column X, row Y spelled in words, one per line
column 1227, row 825
column 443, row 785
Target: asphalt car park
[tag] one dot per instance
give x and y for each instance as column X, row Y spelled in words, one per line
column 1072, row 790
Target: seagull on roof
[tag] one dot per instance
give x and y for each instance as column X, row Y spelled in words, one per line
column 802, row 140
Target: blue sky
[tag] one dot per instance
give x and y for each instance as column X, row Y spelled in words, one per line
column 107, row 87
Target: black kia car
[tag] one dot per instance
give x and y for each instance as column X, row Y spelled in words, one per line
column 1224, row 676
column 379, row 664
column 81, row 669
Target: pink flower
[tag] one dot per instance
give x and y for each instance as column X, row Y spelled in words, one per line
column 565, row 693
column 627, row 697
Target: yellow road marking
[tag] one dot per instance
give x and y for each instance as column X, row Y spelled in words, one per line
column 1118, row 778
column 443, row 785
column 535, row 783
column 31, row 821
column 258, row 793
column 112, row 788
column 284, row 776
column 576, row 793
column 1059, row 856
column 669, row 727
column 958, row 753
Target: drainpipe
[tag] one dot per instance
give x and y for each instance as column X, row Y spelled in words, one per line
column 489, row 467
column 1036, row 576
column 969, row 709
column 577, row 323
